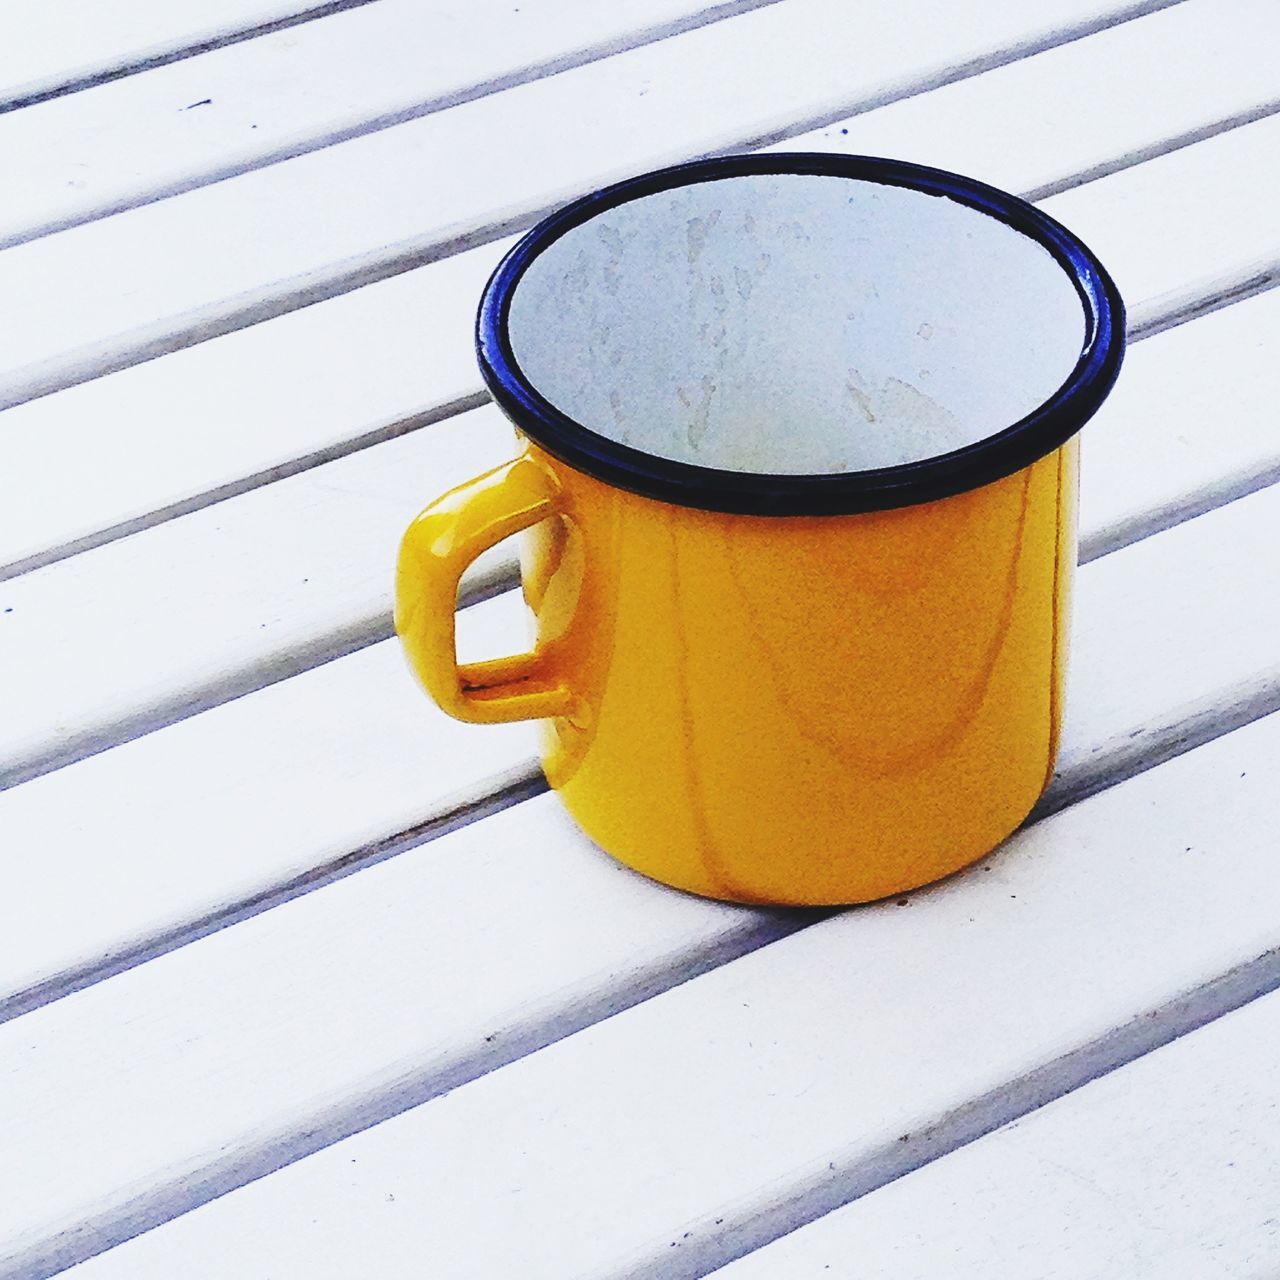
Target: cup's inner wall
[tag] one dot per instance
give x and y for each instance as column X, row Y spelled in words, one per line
column 795, row 324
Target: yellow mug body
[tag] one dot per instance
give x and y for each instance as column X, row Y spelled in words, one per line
column 797, row 480
column 808, row 710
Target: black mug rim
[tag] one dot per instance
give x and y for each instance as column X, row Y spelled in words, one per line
column 1040, row 432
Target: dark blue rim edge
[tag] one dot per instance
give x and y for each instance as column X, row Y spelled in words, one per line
column 685, row 484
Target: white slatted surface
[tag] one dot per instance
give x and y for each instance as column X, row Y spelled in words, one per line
column 216, row 258
column 56, row 46
column 238, row 108
column 305, row 1052
column 289, row 784
column 1167, row 1167
column 666, row 1139
column 295, row 572
column 263, row 586
column 229, row 951
column 413, row 332
column 276, row 397
column 275, row 393
column 1189, row 428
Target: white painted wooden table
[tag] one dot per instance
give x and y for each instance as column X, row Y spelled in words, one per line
column 299, row 978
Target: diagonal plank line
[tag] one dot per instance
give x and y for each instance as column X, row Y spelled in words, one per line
column 952, row 75
column 1157, row 317
column 1199, row 299
column 1126, row 532
column 426, row 417
column 812, row 1198
column 478, row 585
column 1164, row 147
column 441, row 1075
column 230, row 314
column 487, row 797
column 609, row 48
column 132, row 66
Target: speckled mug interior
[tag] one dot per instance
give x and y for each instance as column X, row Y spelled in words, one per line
column 795, row 324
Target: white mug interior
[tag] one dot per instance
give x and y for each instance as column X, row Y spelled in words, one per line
column 796, row 324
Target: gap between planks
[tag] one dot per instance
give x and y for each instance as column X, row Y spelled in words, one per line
column 513, row 79
column 228, row 315
column 808, row 1200
column 127, row 66
column 1170, row 1161
column 428, row 417
column 488, row 796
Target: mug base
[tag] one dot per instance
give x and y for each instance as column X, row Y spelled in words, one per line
column 807, row 889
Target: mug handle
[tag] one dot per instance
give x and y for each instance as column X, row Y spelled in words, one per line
column 436, row 549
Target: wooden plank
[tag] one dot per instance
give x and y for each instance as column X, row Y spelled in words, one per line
column 51, row 48
column 1167, row 1166
column 1173, row 696
column 166, row 275
column 300, row 571
column 418, row 949
column 1182, row 240
column 274, row 396
column 142, row 848
column 202, row 119
column 314, row 583
column 286, row 394
column 1187, row 428
column 292, row 1027
column 1062, row 117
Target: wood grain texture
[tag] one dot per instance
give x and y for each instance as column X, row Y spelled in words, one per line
column 1165, row 1167
column 321, row 1041
column 275, row 397
column 237, row 108
column 52, row 47
column 185, row 269
column 300, row 571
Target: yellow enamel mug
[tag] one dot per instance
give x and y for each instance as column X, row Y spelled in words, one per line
column 797, row 466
